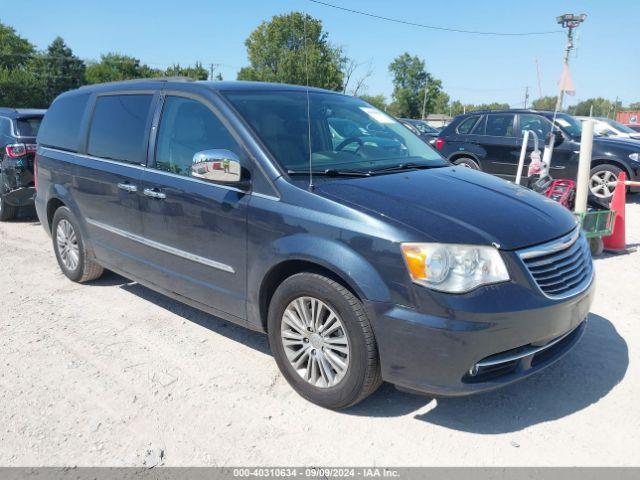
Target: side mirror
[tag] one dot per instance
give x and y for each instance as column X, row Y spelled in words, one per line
column 218, row 166
column 558, row 138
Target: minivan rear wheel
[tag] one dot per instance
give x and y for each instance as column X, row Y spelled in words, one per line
column 70, row 250
column 322, row 341
column 467, row 162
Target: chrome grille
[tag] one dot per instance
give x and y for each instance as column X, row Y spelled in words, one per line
column 561, row 268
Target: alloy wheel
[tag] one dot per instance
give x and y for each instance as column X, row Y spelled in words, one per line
column 603, row 183
column 67, row 243
column 315, row 341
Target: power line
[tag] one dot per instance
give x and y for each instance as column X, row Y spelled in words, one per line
column 432, row 27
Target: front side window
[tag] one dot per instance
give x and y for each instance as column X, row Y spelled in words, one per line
column 188, row 127
column 500, row 125
column 536, row 123
column 346, row 133
column 119, row 128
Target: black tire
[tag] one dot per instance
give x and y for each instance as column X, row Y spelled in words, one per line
column 86, row 269
column 362, row 376
column 7, row 212
column 467, row 162
column 601, row 170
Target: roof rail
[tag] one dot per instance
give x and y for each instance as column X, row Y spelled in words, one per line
column 7, row 110
column 138, row 80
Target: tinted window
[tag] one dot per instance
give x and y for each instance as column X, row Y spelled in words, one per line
column 467, row 125
column 118, row 128
column 61, row 124
column 187, row 127
column 500, row 125
column 538, row 124
column 28, row 127
column 5, row 127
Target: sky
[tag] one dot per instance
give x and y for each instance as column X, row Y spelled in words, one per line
column 473, row 68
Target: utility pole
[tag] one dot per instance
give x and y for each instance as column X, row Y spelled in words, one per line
column 568, row 21
column 526, row 96
column 591, row 110
column 424, row 100
column 211, row 72
column 615, row 108
column 538, row 75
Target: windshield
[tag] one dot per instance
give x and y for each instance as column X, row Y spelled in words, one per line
column 424, row 127
column 619, row 126
column 569, row 124
column 346, row 132
column 28, row 127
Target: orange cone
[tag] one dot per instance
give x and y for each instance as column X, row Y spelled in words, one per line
column 616, row 242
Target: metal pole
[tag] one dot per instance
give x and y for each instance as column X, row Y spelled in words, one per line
column 584, row 166
column 424, row 101
column 523, row 154
column 567, row 51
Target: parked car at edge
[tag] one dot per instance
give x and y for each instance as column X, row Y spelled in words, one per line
column 606, row 127
column 491, row 141
column 382, row 262
column 18, row 130
column 424, row 130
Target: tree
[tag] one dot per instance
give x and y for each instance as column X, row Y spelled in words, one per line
column 58, row 69
column 410, row 79
column 113, row 67
column 601, row 107
column 279, row 52
column 457, row 108
column 15, row 51
column 634, row 106
column 545, row 103
column 20, row 88
column 377, row 101
column 197, row 72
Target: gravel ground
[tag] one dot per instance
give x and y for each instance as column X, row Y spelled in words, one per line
column 113, row 374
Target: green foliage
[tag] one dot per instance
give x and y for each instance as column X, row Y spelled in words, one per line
column 113, row 67
column 409, row 82
column 58, row 70
column 378, row 101
column 15, row 51
column 545, row 103
column 197, row 72
column 277, row 53
column 601, row 107
column 633, row 106
column 20, row 88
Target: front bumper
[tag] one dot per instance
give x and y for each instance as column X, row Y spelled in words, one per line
column 435, row 354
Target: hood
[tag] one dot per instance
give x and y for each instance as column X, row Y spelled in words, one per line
column 630, row 144
column 456, row 205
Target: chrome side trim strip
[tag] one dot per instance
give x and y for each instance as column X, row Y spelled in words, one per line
column 162, row 247
column 504, row 358
column 550, row 247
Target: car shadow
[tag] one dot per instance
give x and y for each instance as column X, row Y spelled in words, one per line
column 585, row 375
column 250, row 338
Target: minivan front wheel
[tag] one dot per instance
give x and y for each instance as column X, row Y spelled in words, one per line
column 322, row 341
column 70, row 250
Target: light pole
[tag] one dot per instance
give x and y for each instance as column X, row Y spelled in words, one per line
column 568, row 21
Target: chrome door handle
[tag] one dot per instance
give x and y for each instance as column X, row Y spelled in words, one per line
column 127, row 187
column 150, row 192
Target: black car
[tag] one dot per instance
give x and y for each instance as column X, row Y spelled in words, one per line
column 491, row 141
column 18, row 130
column 364, row 256
column 422, row 128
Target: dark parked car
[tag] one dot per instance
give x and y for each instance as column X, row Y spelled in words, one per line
column 491, row 140
column 380, row 262
column 424, row 130
column 18, row 130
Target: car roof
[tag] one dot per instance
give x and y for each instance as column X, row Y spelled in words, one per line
column 21, row 112
column 146, row 83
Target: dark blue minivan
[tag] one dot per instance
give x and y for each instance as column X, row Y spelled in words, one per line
column 320, row 220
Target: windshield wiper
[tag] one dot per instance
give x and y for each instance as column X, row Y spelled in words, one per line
column 330, row 172
column 400, row 167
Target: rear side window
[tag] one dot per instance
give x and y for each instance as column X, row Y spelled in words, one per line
column 28, row 127
column 119, row 128
column 61, row 124
column 467, row 125
column 500, row 125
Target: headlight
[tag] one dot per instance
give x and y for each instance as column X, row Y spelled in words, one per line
column 635, row 157
column 453, row 268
